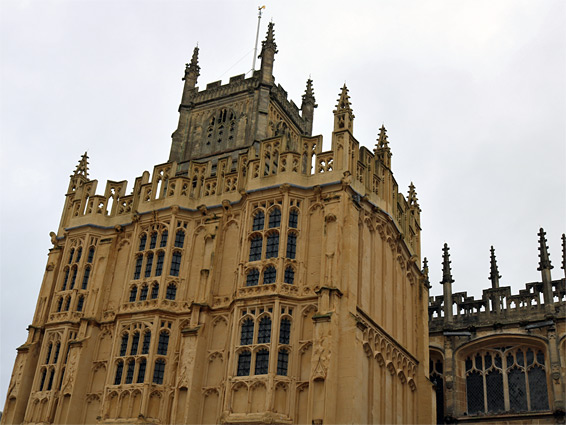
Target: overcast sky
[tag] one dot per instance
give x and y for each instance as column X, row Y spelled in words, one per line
column 472, row 93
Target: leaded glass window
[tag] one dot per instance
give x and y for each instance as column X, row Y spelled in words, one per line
column 163, row 343
column 57, row 350
column 247, row 335
column 282, row 362
column 79, row 254
column 42, row 382
column 65, row 280
column 252, row 278
column 80, row 303
column 146, row 342
column 135, row 343
column 119, row 370
column 143, row 240
column 261, row 362
column 175, row 264
column 90, row 255
column 274, row 218
column 155, row 291
column 264, row 333
column 130, row 372
column 159, row 265
column 148, row 264
column 255, row 247
column 244, row 363
column 141, row 371
column 133, row 293
column 179, row 238
column 293, row 219
column 171, row 292
column 164, row 237
column 153, row 240
column 143, row 293
column 259, row 219
column 74, row 278
column 124, row 344
column 289, row 275
column 291, row 245
column 159, row 371
column 49, row 349
column 85, row 278
column 272, row 246
column 285, row 331
column 269, row 275
column 137, row 270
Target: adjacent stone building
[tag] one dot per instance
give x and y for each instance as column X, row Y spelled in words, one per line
column 501, row 358
column 251, row 278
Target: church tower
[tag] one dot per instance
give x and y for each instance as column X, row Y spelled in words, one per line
column 251, row 278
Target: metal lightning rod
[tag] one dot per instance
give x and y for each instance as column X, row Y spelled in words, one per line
column 260, row 8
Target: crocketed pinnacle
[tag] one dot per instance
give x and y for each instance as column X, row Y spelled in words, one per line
column 494, row 275
column 544, row 259
column 412, row 198
column 308, row 97
column 446, row 271
column 193, row 67
column 269, row 42
column 82, row 167
column 343, row 101
column 382, row 142
column 425, row 273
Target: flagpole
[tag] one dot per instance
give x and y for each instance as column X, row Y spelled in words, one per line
column 260, row 8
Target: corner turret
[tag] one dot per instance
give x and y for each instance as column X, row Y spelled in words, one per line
column 343, row 114
column 267, row 56
column 80, row 175
column 192, row 71
column 307, row 107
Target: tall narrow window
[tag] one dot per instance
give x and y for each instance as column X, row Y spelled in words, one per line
column 272, row 246
column 247, row 335
column 175, row 264
column 262, row 362
column 133, row 293
column 164, row 236
column 49, row 349
column 153, row 240
column 159, row 265
column 124, row 344
column 289, row 275
column 275, row 218
column 285, row 331
column 79, row 254
column 146, row 342
column 255, row 247
column 293, row 219
column 137, row 270
column 159, row 371
column 282, row 362
column 264, row 334
column 119, row 370
column 163, row 343
column 135, row 343
column 80, row 303
column 291, row 245
column 269, row 275
column 171, row 292
column 65, row 280
column 42, row 382
column 148, row 264
column 244, row 362
column 143, row 240
column 50, row 383
column 179, row 238
column 74, row 278
column 90, row 255
column 155, row 291
column 130, row 372
column 56, row 354
column 252, row 278
column 71, row 256
column 60, row 304
column 67, row 303
column 259, row 219
column 141, row 371
column 85, row 278
column 143, row 293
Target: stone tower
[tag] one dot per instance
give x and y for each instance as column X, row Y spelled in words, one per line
column 251, row 278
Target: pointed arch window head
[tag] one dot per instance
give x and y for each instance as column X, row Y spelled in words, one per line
column 146, row 342
column 90, row 257
column 164, row 236
column 163, row 343
column 143, row 292
column 153, row 240
column 171, row 292
column 255, row 247
column 244, row 363
column 269, row 275
column 79, row 254
column 143, row 241
column 71, row 254
column 180, row 238
column 148, row 264
column 137, row 270
column 133, row 293
column 175, row 264
column 86, row 276
column 252, row 278
column 247, row 335
column 264, row 333
column 135, row 344
column 285, row 331
column 275, row 218
column 124, row 345
column 293, row 219
column 67, row 303
column 259, row 219
column 155, row 291
column 262, row 362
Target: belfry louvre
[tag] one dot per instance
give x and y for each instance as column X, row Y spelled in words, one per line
column 255, row 278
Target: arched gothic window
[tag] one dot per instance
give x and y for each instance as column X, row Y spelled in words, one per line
column 264, row 333
column 259, row 219
column 159, row 371
column 163, row 343
column 285, row 331
column 262, row 362
column 179, row 238
column 247, row 335
column 289, row 275
column 275, row 218
column 171, row 292
column 252, row 278
column 269, row 275
column 244, row 363
column 282, row 362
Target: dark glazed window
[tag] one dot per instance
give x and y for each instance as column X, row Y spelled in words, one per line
column 80, row 303
column 146, row 342
column 171, row 292
column 57, row 350
column 143, row 293
column 164, row 236
column 517, row 390
column 293, row 219
column 244, row 362
column 153, row 240
column 272, row 247
column 135, row 343
column 285, row 331
column 65, row 280
column 148, row 264
column 154, row 291
column 474, row 391
column 141, row 371
column 67, row 303
column 291, row 245
column 247, row 335
column 269, row 275
column 255, row 248
column 282, row 362
column 289, row 275
column 275, row 218
column 43, row 376
column 264, row 334
column 179, row 238
column 261, row 362
column 124, row 345
column 49, row 349
column 74, row 278
column 130, row 372
column 71, row 256
column 79, row 254
column 163, row 343
column 175, row 264
column 143, row 240
column 119, row 370
column 159, row 371
column 252, row 278
column 138, row 268
column 59, row 304
column 50, row 383
column 259, row 219
column 133, row 293
column 85, row 278
column 159, row 265
column 90, row 255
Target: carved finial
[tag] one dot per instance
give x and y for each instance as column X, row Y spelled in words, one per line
column 308, row 97
column 382, row 141
column 82, row 167
column 343, row 101
column 193, row 67
column 269, row 42
column 544, row 259
column 425, row 273
column 494, row 275
column 564, row 252
column 412, row 198
column 446, row 271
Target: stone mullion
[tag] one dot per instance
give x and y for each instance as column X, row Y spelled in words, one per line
column 505, row 382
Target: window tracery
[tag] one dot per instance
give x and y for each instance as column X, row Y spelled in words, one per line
column 129, row 356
